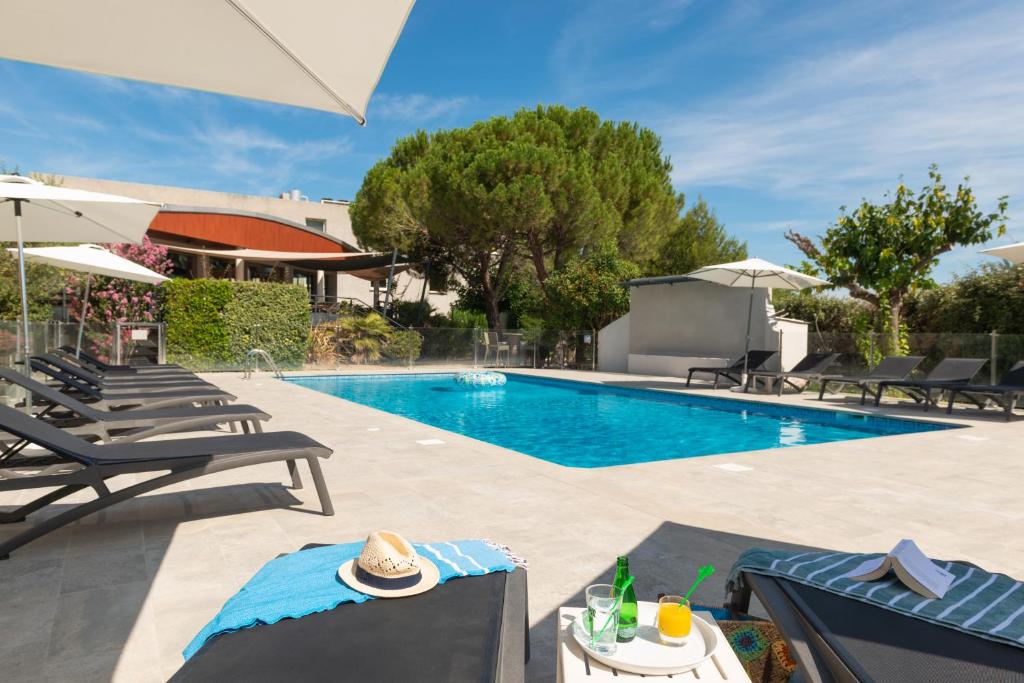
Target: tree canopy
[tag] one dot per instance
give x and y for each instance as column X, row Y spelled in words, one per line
column 882, row 252
column 587, row 293
column 542, row 185
column 697, row 240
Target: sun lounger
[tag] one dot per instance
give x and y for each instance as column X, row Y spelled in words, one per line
column 733, row 372
column 76, row 464
column 67, row 412
column 127, row 371
column 893, row 367
column 811, row 367
column 115, row 399
column 949, row 373
column 107, row 367
column 1005, row 393
column 471, row 629
column 122, row 383
column 837, row 639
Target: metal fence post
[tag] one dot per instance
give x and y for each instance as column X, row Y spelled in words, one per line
column 473, row 337
column 871, row 350
column 993, row 355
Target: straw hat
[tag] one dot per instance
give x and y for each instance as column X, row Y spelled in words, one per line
column 388, row 567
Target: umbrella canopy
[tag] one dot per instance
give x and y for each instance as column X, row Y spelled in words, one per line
column 753, row 273
column 320, row 54
column 1014, row 253
column 58, row 214
column 95, row 260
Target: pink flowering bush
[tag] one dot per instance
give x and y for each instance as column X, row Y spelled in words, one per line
column 115, row 300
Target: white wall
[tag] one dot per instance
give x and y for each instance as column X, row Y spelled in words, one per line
column 693, row 319
column 613, row 346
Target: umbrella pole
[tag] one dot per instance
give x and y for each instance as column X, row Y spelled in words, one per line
column 750, row 313
column 81, row 317
column 24, row 289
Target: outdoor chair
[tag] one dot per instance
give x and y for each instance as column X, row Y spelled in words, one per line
column 811, row 367
column 1005, row 393
column 121, row 383
column 835, row 639
column 116, row 399
column 493, row 344
column 106, row 367
column 472, row 629
column 127, row 372
column 892, row 367
column 947, row 375
column 73, row 464
column 734, row 372
column 67, row 412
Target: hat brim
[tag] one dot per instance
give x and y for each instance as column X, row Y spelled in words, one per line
column 429, row 577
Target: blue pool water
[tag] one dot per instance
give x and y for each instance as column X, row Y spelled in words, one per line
column 580, row 424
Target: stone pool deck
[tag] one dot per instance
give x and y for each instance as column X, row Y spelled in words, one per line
column 119, row 594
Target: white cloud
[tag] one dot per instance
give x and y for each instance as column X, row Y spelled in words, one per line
column 849, row 121
column 413, row 107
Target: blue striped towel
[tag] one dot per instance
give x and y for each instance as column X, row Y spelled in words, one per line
column 978, row 602
column 306, row 582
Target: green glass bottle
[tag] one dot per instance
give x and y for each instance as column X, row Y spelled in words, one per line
column 628, row 611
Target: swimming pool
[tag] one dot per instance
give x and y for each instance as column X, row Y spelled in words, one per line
column 580, row 424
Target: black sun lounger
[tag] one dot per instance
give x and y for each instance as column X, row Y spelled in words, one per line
column 1005, row 393
column 754, row 360
column 118, row 398
column 121, row 383
column 950, row 372
column 892, row 367
column 76, row 464
column 107, row 367
column 469, row 629
column 130, row 425
column 840, row 640
column 811, row 367
column 121, row 371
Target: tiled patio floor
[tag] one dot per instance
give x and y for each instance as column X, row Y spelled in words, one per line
column 117, row 596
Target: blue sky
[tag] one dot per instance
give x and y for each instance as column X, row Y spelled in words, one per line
column 777, row 113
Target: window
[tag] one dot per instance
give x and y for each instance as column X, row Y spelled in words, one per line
column 317, row 224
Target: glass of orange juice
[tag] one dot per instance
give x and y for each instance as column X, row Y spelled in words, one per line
column 674, row 619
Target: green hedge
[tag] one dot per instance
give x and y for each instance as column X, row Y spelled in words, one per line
column 211, row 324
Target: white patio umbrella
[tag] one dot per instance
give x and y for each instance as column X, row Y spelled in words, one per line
column 60, row 214
column 92, row 260
column 752, row 273
column 321, row 54
column 1014, row 253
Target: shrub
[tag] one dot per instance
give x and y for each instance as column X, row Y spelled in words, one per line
column 197, row 336
column 213, row 323
column 362, row 338
column 405, row 346
column 269, row 316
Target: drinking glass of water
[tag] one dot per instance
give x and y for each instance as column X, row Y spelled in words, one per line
column 602, row 617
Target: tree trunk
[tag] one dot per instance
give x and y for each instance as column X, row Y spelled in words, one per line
column 490, row 301
column 537, row 256
column 895, row 312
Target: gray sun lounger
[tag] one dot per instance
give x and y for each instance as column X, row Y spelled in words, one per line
column 811, row 367
column 1005, row 393
column 949, row 373
column 115, row 399
column 121, row 371
column 892, row 367
column 102, row 366
column 754, row 361
column 835, row 639
column 67, row 412
column 76, row 464
column 123, row 383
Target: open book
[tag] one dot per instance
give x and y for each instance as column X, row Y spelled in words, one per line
column 911, row 566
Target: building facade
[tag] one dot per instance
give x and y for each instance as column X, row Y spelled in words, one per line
column 288, row 238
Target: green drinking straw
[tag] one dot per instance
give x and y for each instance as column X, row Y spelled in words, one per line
column 702, row 573
column 618, row 601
